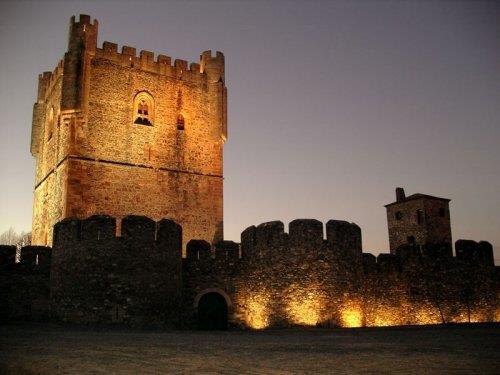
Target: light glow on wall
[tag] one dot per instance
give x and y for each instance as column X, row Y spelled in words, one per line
column 304, row 305
column 257, row 311
column 383, row 316
column 426, row 315
column 351, row 314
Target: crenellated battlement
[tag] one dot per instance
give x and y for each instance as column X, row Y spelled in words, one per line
column 33, row 257
column 47, row 81
column 208, row 69
column 83, row 19
column 82, row 33
column 200, row 250
column 342, row 238
column 139, row 229
column 475, row 252
column 409, row 258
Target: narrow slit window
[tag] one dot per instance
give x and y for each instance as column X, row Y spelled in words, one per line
column 50, row 124
column 180, row 122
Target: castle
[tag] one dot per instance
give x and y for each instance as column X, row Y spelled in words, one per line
column 119, row 134
column 129, row 196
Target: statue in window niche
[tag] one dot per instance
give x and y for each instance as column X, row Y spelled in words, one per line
column 142, row 115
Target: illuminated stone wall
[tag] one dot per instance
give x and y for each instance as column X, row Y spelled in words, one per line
column 306, row 277
column 93, row 158
column 300, row 278
column 134, row 279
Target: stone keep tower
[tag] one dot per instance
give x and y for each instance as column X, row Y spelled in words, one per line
column 119, row 134
column 418, row 219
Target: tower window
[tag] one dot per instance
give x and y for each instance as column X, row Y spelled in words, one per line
column 398, row 215
column 420, row 217
column 411, row 240
column 143, row 109
column 180, row 122
column 442, row 212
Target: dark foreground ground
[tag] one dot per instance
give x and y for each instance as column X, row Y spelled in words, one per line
column 52, row 349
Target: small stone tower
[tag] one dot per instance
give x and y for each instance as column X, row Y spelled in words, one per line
column 119, row 134
column 418, row 219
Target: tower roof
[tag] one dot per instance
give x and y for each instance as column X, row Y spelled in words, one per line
column 419, row 196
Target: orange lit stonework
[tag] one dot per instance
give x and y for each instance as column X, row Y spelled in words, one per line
column 106, row 138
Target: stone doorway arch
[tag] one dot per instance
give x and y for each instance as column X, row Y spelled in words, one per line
column 212, row 307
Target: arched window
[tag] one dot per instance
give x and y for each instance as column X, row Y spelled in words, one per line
column 49, row 124
column 180, row 122
column 398, row 215
column 143, row 109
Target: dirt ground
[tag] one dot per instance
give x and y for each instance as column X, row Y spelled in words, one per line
column 53, row 349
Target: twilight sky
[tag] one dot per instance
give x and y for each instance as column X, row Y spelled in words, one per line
column 332, row 104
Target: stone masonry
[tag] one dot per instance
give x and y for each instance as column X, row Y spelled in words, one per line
column 271, row 279
column 419, row 219
column 95, row 154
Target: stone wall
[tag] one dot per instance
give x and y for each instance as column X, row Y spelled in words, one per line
column 306, row 277
column 24, row 286
column 134, row 279
column 301, row 278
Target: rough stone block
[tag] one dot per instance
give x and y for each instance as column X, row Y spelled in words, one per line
column 98, row 227
column 138, row 228
column 306, row 232
column 129, row 51
column 269, row 233
column 109, row 47
column 388, row 263
column 198, row 249
column 166, row 60
column 465, row 249
column 67, row 231
column 485, row 252
column 344, row 237
column 369, row 263
column 227, row 250
column 147, row 56
column 181, row 64
column 169, row 236
column 248, row 241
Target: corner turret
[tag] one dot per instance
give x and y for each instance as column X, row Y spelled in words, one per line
column 82, row 45
column 213, row 66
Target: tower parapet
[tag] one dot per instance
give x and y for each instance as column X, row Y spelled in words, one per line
column 163, row 65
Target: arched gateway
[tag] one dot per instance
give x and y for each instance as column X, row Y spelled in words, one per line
column 212, row 307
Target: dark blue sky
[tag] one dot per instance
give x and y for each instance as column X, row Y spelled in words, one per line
column 331, row 104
